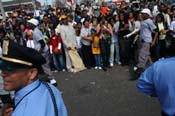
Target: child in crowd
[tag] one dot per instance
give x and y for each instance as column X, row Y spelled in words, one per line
column 55, row 44
column 78, row 42
column 18, row 38
column 29, row 39
column 96, row 49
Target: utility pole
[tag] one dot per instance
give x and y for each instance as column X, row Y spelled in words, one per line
column 47, row 3
column 34, row 6
column 2, row 10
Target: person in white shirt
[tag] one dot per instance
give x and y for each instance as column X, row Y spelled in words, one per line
column 78, row 42
column 40, row 45
column 86, row 44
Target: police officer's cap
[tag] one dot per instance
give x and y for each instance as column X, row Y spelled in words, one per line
column 15, row 56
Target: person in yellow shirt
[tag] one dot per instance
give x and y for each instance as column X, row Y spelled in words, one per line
column 96, row 49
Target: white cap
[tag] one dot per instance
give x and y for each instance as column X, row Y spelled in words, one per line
column 33, row 21
column 146, row 11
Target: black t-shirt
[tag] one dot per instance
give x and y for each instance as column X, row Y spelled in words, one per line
column 121, row 25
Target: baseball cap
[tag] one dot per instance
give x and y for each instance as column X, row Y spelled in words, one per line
column 33, row 21
column 146, row 11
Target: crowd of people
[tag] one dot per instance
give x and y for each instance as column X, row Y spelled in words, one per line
column 90, row 36
column 95, row 36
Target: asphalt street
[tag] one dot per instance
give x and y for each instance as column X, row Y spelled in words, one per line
column 98, row 93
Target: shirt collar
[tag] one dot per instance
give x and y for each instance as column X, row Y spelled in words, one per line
column 22, row 92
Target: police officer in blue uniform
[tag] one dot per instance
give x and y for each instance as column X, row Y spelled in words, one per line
column 159, row 81
column 20, row 67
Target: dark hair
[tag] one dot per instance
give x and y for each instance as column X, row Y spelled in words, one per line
column 161, row 17
column 2, row 30
column 17, row 32
column 125, row 16
column 70, row 16
column 46, row 15
column 136, row 15
column 86, row 20
column 22, row 23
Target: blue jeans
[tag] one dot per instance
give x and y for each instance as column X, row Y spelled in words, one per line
column 97, row 59
column 58, row 61
column 114, row 50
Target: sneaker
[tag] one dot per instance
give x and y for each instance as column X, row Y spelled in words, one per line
column 111, row 64
column 135, row 68
column 119, row 63
column 99, row 67
column 75, row 71
column 53, row 82
column 63, row 70
column 71, row 70
column 96, row 67
column 138, row 70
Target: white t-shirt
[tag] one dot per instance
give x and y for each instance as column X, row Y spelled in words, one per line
column 78, row 41
column 85, row 32
column 37, row 36
column 172, row 28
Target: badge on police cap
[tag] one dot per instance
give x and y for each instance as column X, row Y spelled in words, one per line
column 16, row 56
column 5, row 47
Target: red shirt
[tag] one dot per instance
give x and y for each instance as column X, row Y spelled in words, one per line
column 104, row 10
column 56, row 43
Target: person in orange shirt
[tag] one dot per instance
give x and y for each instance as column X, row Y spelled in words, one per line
column 104, row 10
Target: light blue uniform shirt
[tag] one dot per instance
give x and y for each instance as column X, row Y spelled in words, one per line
column 146, row 30
column 38, row 102
column 159, row 81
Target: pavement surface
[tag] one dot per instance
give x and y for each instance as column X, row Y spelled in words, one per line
column 98, row 93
